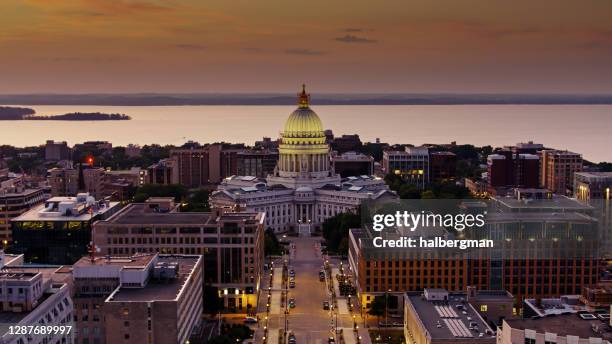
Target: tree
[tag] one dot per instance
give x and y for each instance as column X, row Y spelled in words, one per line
column 377, row 307
column 271, row 245
column 336, row 228
column 380, row 305
column 211, row 300
column 179, row 192
column 197, row 201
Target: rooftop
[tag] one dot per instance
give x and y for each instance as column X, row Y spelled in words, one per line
column 159, row 289
column 555, row 203
column 595, row 175
column 141, row 260
column 80, row 208
column 450, row 319
column 143, row 214
column 563, row 325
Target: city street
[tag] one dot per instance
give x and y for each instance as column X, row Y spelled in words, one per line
column 308, row 321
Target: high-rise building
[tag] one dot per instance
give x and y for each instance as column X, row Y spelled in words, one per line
column 147, row 298
column 14, row 201
column 592, row 185
column 63, row 182
column 30, row 297
column 412, row 164
column 231, row 243
column 557, row 170
column 59, row 230
column 56, row 151
column 544, row 248
column 442, row 166
column 508, row 169
column 352, row 164
column 163, row 172
column 200, row 166
column 257, row 163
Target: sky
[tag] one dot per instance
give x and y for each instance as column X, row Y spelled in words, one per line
column 172, row 46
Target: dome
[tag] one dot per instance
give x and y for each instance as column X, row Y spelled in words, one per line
column 303, row 122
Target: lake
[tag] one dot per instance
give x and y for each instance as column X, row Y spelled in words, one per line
column 583, row 129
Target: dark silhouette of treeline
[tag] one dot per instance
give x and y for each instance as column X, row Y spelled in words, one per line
column 14, row 113
column 81, row 116
column 17, row 114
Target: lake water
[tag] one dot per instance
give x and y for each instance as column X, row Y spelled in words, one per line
column 585, row 129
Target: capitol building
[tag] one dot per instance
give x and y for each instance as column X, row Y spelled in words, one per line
column 303, row 191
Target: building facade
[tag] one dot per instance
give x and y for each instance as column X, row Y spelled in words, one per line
column 352, row 164
column 592, row 185
column 59, row 230
column 557, row 170
column 258, row 163
column 147, row 298
column 412, row 164
column 231, row 244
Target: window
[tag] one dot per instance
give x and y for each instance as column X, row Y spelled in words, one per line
column 530, row 341
column 483, row 308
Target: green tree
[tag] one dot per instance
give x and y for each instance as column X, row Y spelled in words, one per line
column 197, row 201
column 271, row 245
column 381, row 304
column 212, row 301
column 336, row 228
column 179, row 192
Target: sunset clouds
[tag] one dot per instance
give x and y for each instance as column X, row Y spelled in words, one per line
column 269, row 46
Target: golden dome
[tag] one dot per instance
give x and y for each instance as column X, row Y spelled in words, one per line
column 303, row 122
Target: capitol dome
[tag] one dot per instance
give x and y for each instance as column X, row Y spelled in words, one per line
column 303, row 122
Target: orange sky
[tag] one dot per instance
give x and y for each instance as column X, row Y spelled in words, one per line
column 77, row 46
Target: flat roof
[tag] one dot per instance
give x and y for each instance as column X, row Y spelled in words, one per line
column 132, row 261
column 557, row 202
column 22, row 193
column 500, row 217
column 562, row 325
column 35, row 213
column 454, row 323
column 140, row 213
column 159, row 290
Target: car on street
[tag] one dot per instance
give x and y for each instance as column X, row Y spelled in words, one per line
column 326, row 305
column 291, row 339
column 292, row 302
column 292, row 284
column 331, row 340
column 292, row 273
column 250, row 320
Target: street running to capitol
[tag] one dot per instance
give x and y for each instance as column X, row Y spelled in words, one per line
column 437, row 242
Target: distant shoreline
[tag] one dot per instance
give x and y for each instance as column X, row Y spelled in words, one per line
column 153, row 99
column 27, row 114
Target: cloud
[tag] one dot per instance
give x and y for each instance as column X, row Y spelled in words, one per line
column 306, row 52
column 354, row 39
column 188, row 46
column 252, row 50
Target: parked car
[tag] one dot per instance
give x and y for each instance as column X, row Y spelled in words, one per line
column 292, row 302
column 291, row 339
column 292, row 284
column 326, row 305
column 250, row 320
